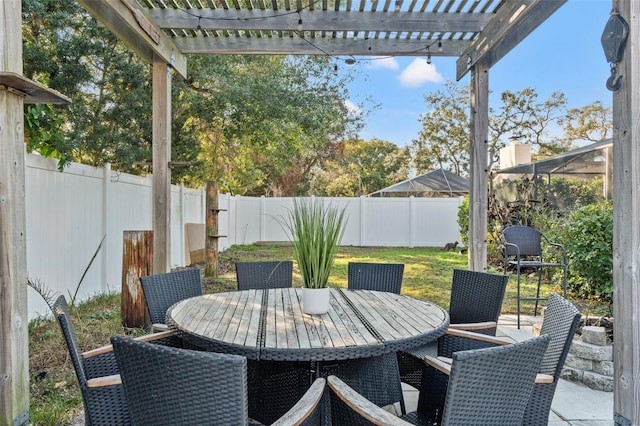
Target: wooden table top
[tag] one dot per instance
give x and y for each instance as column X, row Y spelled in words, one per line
column 270, row 324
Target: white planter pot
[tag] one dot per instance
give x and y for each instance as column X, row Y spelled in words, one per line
column 315, row 301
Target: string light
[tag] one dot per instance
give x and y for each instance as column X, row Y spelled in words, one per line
column 439, row 45
column 428, row 56
column 299, row 21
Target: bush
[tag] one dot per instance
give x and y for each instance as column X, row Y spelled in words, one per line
column 463, row 221
column 587, row 233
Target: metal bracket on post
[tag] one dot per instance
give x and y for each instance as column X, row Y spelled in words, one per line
column 620, row 421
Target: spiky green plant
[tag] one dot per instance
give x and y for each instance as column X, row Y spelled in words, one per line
column 316, row 231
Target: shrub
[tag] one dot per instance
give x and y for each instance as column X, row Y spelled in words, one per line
column 587, row 233
column 463, row 221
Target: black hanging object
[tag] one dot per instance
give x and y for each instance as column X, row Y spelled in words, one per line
column 614, row 40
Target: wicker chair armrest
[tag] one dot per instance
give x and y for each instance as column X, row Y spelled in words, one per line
column 506, row 244
column 146, row 338
column 446, row 359
column 156, row 336
column 544, row 378
column 159, row 327
column 362, row 406
column 540, row 378
column 97, row 351
column 439, row 364
column 304, row 407
column 474, row 325
column 104, row 381
column 478, row 336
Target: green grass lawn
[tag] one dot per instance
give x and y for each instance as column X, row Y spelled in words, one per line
column 55, row 398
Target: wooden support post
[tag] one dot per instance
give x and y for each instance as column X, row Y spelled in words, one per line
column 478, row 194
column 14, row 342
column 626, row 224
column 211, row 241
column 161, row 170
column 137, row 261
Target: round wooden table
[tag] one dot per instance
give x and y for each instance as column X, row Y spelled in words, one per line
column 270, row 324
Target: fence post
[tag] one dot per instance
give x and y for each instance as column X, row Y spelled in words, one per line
column 211, row 241
column 362, row 222
column 137, row 261
column 412, row 221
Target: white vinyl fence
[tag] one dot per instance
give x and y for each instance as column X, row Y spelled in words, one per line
column 70, row 213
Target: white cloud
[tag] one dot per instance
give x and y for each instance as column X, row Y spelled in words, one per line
column 419, row 72
column 387, row 62
column 354, row 110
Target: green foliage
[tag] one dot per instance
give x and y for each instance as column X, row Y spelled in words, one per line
column 568, row 193
column 588, row 236
column 463, row 220
column 316, row 231
column 256, row 124
column 109, row 119
column 43, row 133
column 362, row 168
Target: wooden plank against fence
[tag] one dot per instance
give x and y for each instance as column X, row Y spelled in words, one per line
column 137, row 261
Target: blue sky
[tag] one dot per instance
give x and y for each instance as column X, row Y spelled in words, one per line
column 563, row 54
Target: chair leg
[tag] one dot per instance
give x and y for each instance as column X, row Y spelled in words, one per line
column 518, row 297
column 535, row 310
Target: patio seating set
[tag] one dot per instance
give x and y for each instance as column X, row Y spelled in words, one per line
column 252, row 357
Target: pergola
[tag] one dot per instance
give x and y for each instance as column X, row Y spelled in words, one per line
column 478, row 32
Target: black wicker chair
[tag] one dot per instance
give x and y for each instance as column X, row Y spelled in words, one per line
column 349, row 407
column 523, row 249
column 182, row 387
column 561, row 319
column 97, row 372
column 490, row 386
column 475, row 304
column 375, row 276
column 375, row 378
column 161, row 291
column 264, row 275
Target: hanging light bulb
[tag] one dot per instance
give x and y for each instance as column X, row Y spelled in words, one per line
column 299, row 21
column 335, row 69
column 397, row 8
column 428, row 56
column 439, row 45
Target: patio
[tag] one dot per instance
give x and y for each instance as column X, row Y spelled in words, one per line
column 486, row 45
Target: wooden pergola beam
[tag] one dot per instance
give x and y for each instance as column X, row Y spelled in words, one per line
column 318, row 20
column 514, row 21
column 131, row 24
column 317, row 46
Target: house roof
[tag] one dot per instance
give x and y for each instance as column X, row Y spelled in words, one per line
column 587, row 160
column 435, row 181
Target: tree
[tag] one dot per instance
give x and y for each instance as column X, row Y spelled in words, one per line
column 256, row 124
column 522, row 118
column 444, row 139
column 592, row 123
column 363, row 167
column 109, row 119
column 263, row 121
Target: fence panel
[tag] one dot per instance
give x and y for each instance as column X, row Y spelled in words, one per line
column 69, row 213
